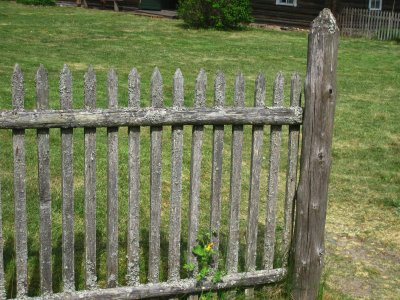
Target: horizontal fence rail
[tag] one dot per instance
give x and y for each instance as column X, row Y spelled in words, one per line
column 157, row 117
column 384, row 25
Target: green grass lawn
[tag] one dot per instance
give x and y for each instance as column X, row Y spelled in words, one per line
column 363, row 241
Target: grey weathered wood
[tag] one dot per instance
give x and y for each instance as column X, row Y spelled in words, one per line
column 3, row 294
column 150, row 117
column 112, row 185
column 273, row 176
column 174, row 253
column 21, row 247
column 254, row 192
column 67, row 185
column 195, row 171
column 291, row 172
column 133, row 271
column 312, row 193
column 216, row 169
column 90, row 183
column 181, row 287
column 235, row 182
column 155, row 181
column 43, row 139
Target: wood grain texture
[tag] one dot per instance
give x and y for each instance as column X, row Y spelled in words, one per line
column 216, row 170
column 235, row 181
column 312, row 193
column 291, row 172
column 112, row 186
column 43, row 140
column 174, row 246
column 155, row 181
column 67, row 185
column 3, row 294
column 133, row 271
column 90, row 184
column 150, row 117
column 195, row 173
column 21, row 247
column 254, row 192
column 179, row 288
column 255, row 172
column 273, row 176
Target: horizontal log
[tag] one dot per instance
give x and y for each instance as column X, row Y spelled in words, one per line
column 181, row 287
column 23, row 119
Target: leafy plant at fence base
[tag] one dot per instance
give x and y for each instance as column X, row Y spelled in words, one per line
column 219, row 14
column 38, row 2
column 204, row 253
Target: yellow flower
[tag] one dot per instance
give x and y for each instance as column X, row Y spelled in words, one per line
column 209, row 246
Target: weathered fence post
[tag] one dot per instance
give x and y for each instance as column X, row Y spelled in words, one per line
column 312, row 194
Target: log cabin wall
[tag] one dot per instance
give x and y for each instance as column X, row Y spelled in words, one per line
column 267, row 11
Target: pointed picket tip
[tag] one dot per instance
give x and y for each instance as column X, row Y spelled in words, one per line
column 200, row 89
column 133, row 88
column 133, row 75
column 278, row 89
column 90, row 73
column 178, row 73
column 239, row 90
column 259, row 91
column 178, row 89
column 17, row 87
column 65, row 71
column 90, row 88
column 295, row 90
column 325, row 22
column 66, row 88
column 219, row 86
column 156, row 76
column 202, row 77
column 156, row 88
column 42, row 88
column 41, row 73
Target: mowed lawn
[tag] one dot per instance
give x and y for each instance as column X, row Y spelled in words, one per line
column 363, row 239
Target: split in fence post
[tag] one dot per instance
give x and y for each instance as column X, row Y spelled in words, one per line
column 312, row 194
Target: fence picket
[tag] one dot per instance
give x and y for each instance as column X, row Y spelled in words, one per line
column 272, row 197
column 90, row 183
column 235, row 181
column 43, row 139
column 384, row 25
column 3, row 294
column 176, row 184
column 112, row 186
column 195, row 172
column 291, row 172
column 134, row 183
column 254, row 192
column 155, row 181
column 216, row 172
column 67, row 185
column 21, row 247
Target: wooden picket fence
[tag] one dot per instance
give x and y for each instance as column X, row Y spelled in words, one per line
column 384, row 25
column 311, row 195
